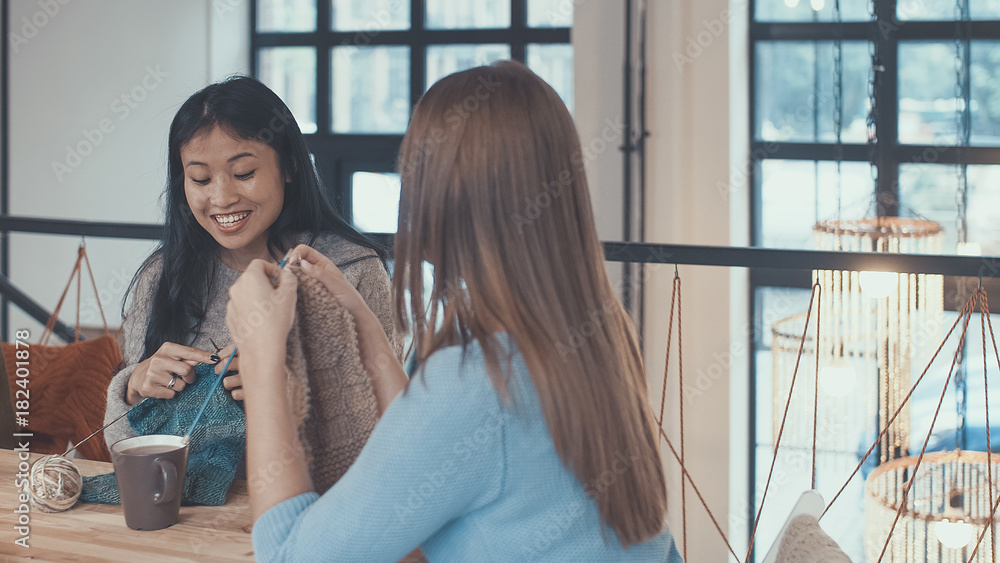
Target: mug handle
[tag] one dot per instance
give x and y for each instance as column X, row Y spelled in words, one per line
column 169, row 472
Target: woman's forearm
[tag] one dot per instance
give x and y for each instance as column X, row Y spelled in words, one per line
column 379, row 360
column 276, row 464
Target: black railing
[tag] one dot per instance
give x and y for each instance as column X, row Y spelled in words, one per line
column 34, row 309
column 626, row 252
column 633, row 252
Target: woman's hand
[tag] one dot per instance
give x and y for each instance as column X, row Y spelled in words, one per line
column 232, row 383
column 260, row 313
column 165, row 373
column 386, row 375
column 316, row 265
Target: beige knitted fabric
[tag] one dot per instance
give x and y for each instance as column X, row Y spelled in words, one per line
column 322, row 353
column 331, row 396
column 806, row 542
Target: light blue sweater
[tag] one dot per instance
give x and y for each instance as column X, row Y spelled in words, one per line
column 450, row 469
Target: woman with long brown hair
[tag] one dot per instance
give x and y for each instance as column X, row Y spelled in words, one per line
column 526, row 431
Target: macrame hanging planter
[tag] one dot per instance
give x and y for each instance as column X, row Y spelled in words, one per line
column 942, row 516
column 875, row 326
column 938, row 506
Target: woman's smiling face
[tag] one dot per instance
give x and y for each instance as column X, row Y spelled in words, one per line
column 235, row 189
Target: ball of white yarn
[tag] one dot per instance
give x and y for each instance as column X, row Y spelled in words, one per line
column 54, row 483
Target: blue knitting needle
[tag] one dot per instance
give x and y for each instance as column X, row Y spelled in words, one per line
column 225, row 368
column 201, row 411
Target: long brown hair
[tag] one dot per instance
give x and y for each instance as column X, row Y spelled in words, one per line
column 495, row 198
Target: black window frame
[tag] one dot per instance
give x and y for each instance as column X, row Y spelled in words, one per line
column 339, row 155
column 887, row 153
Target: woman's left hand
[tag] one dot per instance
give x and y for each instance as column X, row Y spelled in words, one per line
column 234, row 382
column 260, row 313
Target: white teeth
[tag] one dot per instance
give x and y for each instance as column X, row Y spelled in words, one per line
column 231, row 219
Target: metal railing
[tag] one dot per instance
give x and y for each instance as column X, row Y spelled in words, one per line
column 625, row 252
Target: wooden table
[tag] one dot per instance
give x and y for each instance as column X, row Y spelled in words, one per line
column 97, row 532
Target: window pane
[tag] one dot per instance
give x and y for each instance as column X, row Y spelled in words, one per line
column 375, row 201
column 945, row 10
column 985, row 9
column 550, row 13
column 930, row 191
column 369, row 16
column 291, row 73
column 795, row 91
column 554, row 63
column 462, row 14
column 789, row 206
column 984, row 104
column 443, row 60
column 927, row 93
column 809, row 10
column 286, row 15
column 928, row 99
column 371, row 89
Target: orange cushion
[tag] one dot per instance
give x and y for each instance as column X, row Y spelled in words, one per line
column 67, row 393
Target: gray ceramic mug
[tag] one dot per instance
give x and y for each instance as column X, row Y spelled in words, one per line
column 150, row 472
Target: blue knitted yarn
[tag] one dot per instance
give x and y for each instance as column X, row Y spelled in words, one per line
column 217, row 444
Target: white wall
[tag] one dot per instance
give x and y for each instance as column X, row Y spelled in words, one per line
column 598, row 48
column 93, row 87
column 696, row 118
column 597, row 83
column 696, row 194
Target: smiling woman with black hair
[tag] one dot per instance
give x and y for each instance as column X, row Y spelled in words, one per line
column 240, row 187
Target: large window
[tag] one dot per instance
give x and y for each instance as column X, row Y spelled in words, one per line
column 351, row 70
column 930, row 149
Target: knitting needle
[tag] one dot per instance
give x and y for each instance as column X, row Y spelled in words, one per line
column 222, row 375
column 122, row 415
column 282, row 264
column 225, row 368
column 215, row 356
column 119, row 417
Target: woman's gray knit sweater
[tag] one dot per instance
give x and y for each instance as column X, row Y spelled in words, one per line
column 360, row 266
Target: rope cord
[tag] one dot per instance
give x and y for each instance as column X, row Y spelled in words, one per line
column 984, row 312
column 666, row 363
column 680, row 401
column 51, row 324
column 81, row 260
column 694, row 487
column 899, row 409
column 79, row 285
column 813, row 298
column 967, row 315
column 93, row 282
column 819, row 292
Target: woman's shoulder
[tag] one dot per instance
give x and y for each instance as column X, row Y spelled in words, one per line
column 464, row 365
column 148, row 273
column 339, row 250
column 455, row 377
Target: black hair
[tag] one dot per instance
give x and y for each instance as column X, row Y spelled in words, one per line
column 246, row 109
